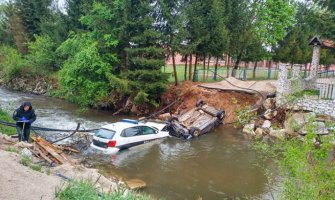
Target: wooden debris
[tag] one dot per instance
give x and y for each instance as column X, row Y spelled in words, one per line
column 68, row 149
column 49, row 152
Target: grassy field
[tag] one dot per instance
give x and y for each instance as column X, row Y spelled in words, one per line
column 208, row 76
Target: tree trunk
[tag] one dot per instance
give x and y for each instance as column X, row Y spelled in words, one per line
column 174, row 68
column 238, row 60
column 195, row 67
column 254, row 71
column 209, row 58
column 204, row 66
column 216, row 68
column 185, row 72
column 190, row 68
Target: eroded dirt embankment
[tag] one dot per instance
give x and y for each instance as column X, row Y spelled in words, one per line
column 189, row 93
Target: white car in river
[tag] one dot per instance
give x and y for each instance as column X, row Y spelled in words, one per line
column 127, row 133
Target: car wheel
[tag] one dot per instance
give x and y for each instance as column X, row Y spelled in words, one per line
column 172, row 119
column 199, row 103
column 221, row 114
column 195, row 132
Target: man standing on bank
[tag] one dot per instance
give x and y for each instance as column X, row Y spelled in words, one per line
column 24, row 117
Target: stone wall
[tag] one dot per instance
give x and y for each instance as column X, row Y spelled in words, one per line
column 286, row 86
column 316, row 105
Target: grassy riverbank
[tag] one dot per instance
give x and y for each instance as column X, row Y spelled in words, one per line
column 4, row 116
column 306, row 165
column 82, row 189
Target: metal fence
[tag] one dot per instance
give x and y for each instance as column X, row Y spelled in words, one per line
column 242, row 73
column 326, row 88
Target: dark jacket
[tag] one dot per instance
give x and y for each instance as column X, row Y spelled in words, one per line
column 29, row 115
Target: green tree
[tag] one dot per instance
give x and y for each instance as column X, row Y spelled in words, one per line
column 169, row 25
column 310, row 21
column 33, row 13
column 42, row 55
column 13, row 28
column 217, row 42
column 75, row 9
column 145, row 56
column 87, row 77
column 265, row 21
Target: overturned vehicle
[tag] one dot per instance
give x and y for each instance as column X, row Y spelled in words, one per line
column 197, row 121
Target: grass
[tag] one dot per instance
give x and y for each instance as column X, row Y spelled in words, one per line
column 5, row 129
column 25, row 160
column 36, row 167
column 12, row 149
column 83, row 189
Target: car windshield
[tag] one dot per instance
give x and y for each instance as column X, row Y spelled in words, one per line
column 104, row 133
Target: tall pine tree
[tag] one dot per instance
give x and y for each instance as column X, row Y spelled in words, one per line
column 144, row 55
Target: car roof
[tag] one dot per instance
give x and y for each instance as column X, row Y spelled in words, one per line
column 119, row 126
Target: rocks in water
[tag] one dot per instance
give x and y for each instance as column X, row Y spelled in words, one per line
column 134, row 184
column 249, row 129
column 269, row 103
column 279, row 134
column 266, row 124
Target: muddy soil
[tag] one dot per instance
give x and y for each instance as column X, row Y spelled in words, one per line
column 189, row 93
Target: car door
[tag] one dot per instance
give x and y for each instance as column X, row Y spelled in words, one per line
column 137, row 135
column 148, row 133
column 132, row 137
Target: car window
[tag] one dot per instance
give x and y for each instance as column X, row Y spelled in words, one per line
column 104, row 133
column 147, row 130
column 130, row 132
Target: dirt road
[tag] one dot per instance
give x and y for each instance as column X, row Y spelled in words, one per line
column 19, row 182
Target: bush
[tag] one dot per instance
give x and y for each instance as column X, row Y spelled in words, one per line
column 141, row 98
column 85, row 78
column 11, row 63
column 42, row 56
column 5, row 129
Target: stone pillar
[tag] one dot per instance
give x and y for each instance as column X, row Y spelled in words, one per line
column 315, row 63
column 283, row 84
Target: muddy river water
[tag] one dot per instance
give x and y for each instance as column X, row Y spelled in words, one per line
column 218, row 165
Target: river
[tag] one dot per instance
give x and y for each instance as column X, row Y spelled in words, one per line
column 221, row 164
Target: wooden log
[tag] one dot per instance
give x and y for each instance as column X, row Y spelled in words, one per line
column 52, row 150
column 69, row 149
column 43, row 155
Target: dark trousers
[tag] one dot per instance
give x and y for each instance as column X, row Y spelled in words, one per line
column 26, row 133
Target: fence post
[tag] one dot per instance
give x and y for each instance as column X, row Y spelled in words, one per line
column 244, row 74
column 196, row 75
